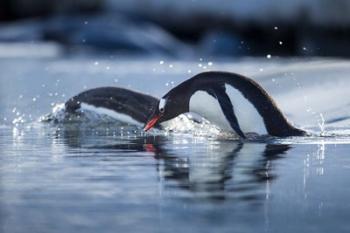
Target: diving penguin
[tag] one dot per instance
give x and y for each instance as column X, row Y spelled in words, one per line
column 229, row 100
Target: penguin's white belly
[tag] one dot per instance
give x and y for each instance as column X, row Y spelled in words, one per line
column 208, row 107
column 248, row 117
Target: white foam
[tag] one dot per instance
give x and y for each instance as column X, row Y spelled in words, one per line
column 190, row 123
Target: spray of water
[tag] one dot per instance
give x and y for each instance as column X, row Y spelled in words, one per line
column 321, row 125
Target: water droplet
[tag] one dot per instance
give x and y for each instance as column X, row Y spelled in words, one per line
column 161, row 62
column 210, row 63
column 34, row 99
column 268, row 56
column 280, row 42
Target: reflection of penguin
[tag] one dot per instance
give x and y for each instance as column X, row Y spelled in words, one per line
column 263, row 169
column 77, row 137
column 216, row 175
column 229, row 100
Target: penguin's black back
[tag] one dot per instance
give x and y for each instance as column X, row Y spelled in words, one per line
column 134, row 104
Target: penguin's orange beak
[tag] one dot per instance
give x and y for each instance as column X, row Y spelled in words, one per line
column 151, row 122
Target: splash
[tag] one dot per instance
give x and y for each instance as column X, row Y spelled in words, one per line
column 189, row 124
column 193, row 124
column 321, row 124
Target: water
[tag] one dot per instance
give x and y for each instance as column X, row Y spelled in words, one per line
column 107, row 177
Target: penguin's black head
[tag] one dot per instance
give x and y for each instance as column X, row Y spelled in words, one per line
column 168, row 107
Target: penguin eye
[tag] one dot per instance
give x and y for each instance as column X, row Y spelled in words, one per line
column 161, row 110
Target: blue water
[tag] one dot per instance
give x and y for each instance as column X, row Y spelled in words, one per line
column 101, row 176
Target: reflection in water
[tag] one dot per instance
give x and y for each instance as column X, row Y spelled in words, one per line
column 71, row 177
column 211, row 170
column 218, row 174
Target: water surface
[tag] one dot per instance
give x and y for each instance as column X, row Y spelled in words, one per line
column 103, row 176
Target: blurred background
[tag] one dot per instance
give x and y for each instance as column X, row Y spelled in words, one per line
column 178, row 29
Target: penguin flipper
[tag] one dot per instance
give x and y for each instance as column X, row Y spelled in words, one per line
column 227, row 108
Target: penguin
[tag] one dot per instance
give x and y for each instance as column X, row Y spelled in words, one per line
column 122, row 104
column 231, row 101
